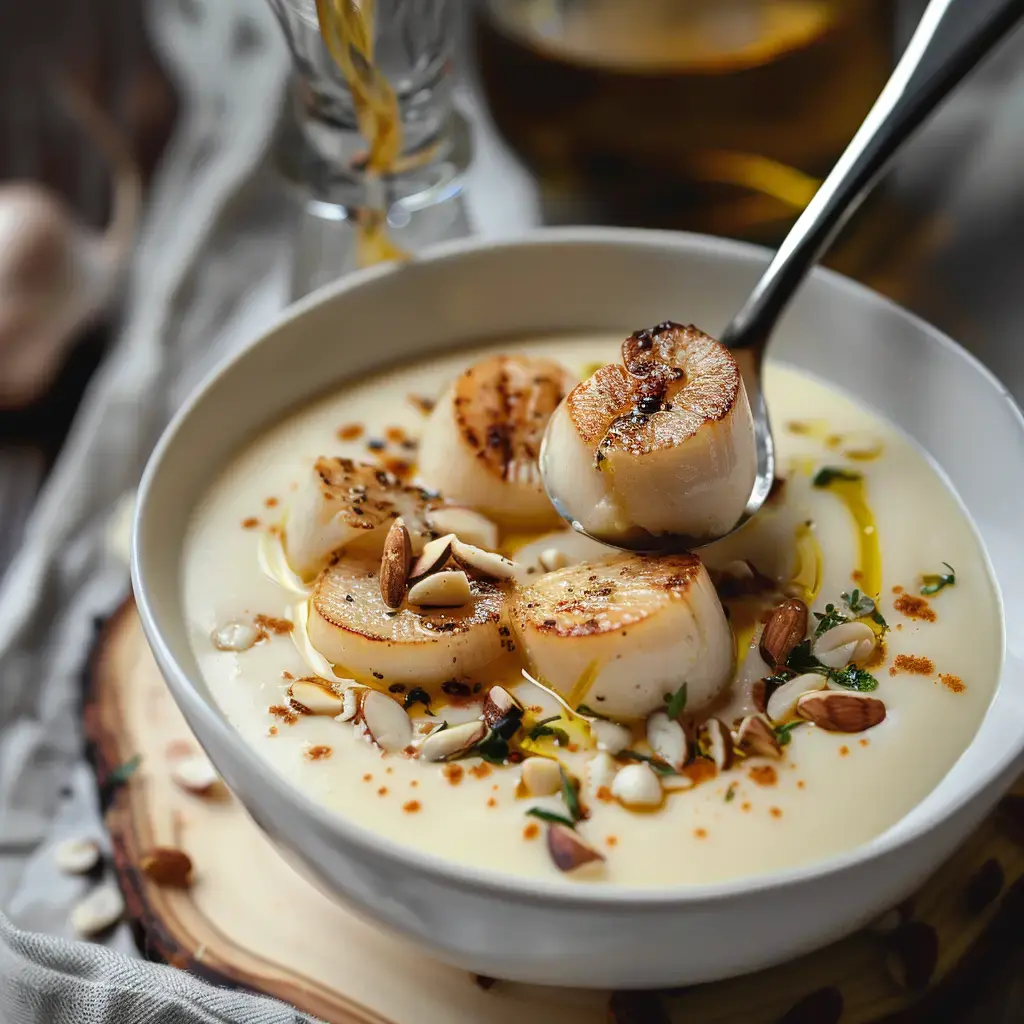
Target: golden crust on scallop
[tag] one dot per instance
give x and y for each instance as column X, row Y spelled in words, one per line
column 672, row 381
column 366, row 497
column 346, row 596
column 502, row 405
column 603, row 596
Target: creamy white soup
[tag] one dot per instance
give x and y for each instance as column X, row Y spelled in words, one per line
column 618, row 770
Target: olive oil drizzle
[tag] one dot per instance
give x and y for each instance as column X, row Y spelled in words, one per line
column 853, row 494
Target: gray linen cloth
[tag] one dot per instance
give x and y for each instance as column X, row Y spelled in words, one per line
column 210, row 271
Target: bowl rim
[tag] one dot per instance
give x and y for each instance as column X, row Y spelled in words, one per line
column 550, row 892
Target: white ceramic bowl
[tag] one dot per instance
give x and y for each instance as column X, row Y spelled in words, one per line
column 558, row 932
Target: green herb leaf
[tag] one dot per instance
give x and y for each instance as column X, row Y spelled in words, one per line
column 416, row 696
column 123, row 772
column 782, row 732
column 560, row 736
column 801, row 659
column 555, row 819
column 572, row 801
column 585, row 709
column 831, row 617
column 730, row 793
column 829, row 474
column 493, row 748
column 934, row 582
column 677, row 703
column 860, row 604
column 658, row 766
column 548, row 720
column 854, row 678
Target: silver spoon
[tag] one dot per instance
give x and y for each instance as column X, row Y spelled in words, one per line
column 952, row 37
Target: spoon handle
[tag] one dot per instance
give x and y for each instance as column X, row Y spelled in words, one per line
column 952, row 37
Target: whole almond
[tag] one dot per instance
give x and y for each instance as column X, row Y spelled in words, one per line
column 785, row 628
column 836, row 711
column 168, row 866
column 568, row 850
column 394, row 564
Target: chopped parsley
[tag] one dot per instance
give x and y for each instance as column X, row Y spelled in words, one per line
column 854, row 678
column 802, row 660
column 585, row 709
column 782, row 732
column 657, row 766
column 830, row 474
column 572, row 801
column 493, row 748
column 676, row 702
column 550, row 816
column 934, row 582
column 730, row 793
column 542, row 729
column 864, row 607
column 829, row 619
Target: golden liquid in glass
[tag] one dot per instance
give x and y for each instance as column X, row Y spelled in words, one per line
column 347, row 30
column 712, row 115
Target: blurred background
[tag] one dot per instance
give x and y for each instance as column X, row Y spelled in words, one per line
column 173, row 171
column 719, row 116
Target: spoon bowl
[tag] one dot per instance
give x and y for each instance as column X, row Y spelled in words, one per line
column 951, row 38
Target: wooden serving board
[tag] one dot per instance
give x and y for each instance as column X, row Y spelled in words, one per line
column 248, row 920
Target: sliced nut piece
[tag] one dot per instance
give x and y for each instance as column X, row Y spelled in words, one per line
column 601, row 770
column 667, row 740
column 351, row 698
column 168, row 866
column 395, row 563
column 100, row 910
column 445, row 589
column 467, row 524
column 837, row 711
column 77, row 856
column 610, row 736
column 786, row 627
column 483, row 563
column 552, row 559
column 541, row 776
column 782, row 703
column 450, row 743
column 310, row 696
column 719, row 743
column 435, row 556
column 636, row 785
column 195, row 774
column 384, row 721
column 235, row 636
column 756, row 738
column 568, row 850
column 498, row 704
column 849, row 641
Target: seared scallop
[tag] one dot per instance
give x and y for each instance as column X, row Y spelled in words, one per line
column 357, row 633
column 480, row 445
column 660, row 444
column 341, row 503
column 621, row 633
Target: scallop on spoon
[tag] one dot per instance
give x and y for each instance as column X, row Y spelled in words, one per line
column 669, row 451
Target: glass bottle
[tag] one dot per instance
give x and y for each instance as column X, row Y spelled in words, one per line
column 324, row 154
